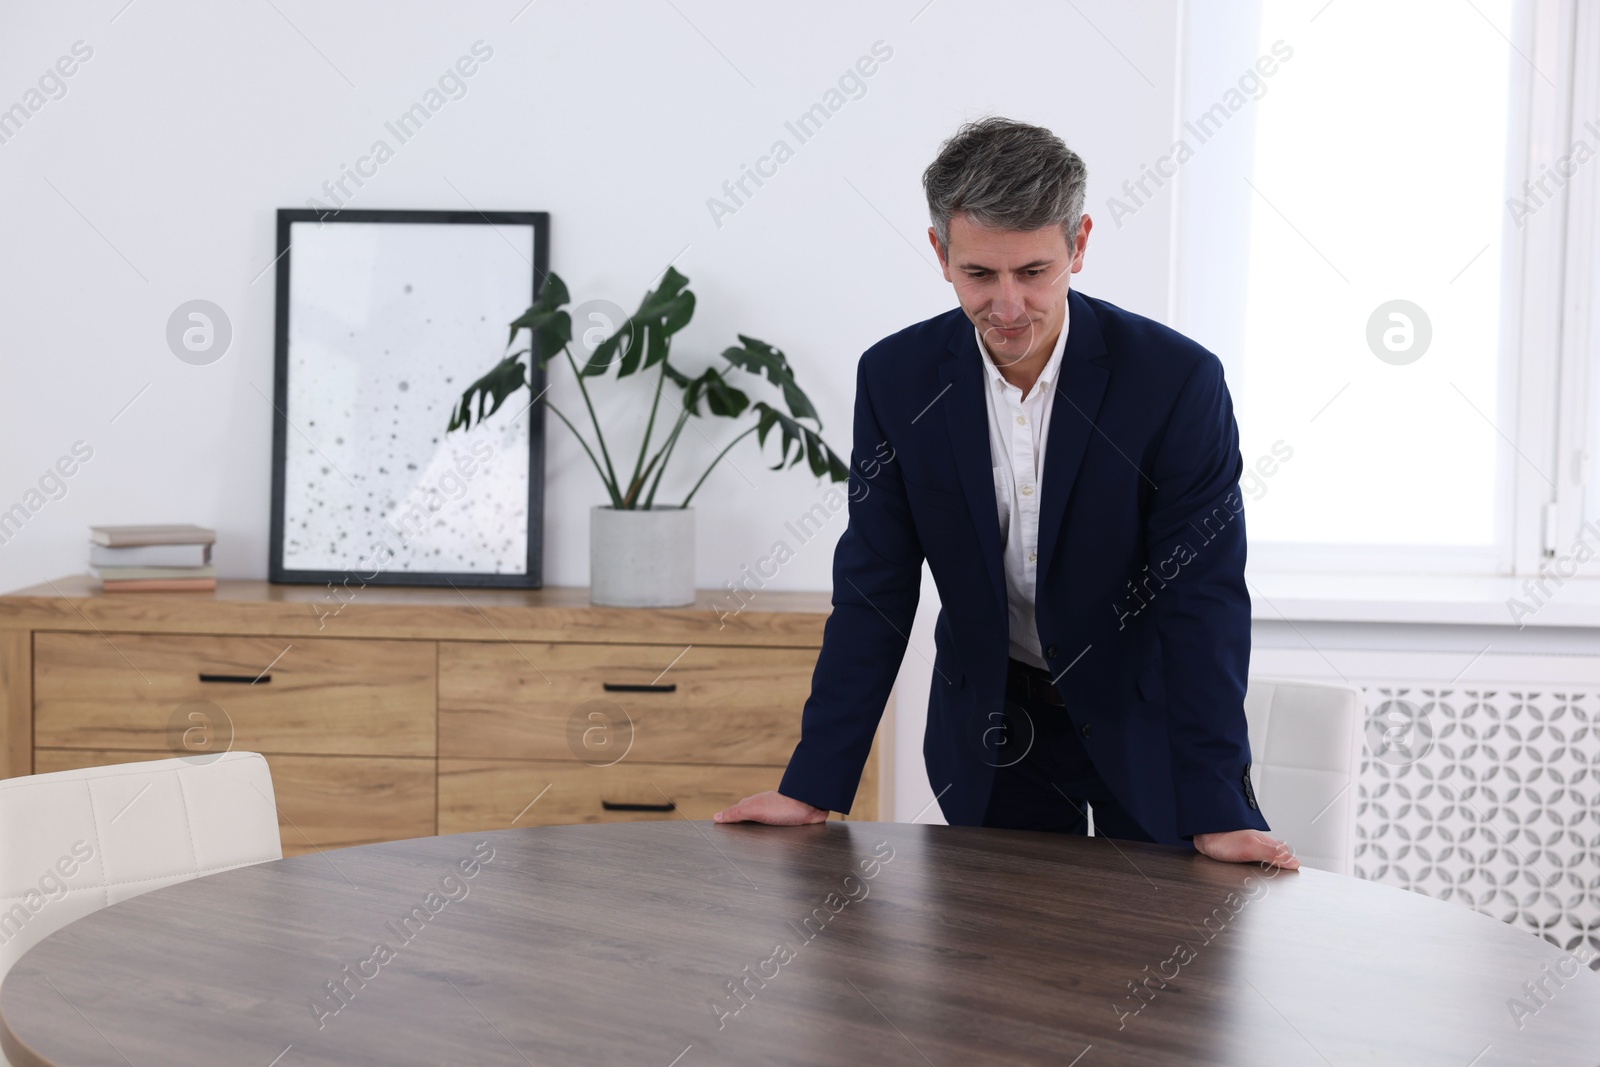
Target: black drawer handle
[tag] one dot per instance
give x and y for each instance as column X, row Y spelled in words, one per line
column 236, row 679
column 620, row 687
column 668, row 806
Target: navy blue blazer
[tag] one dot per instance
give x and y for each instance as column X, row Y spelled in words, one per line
column 1141, row 605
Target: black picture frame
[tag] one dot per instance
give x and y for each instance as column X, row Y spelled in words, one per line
column 532, row 576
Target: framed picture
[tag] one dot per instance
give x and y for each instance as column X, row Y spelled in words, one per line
column 383, row 319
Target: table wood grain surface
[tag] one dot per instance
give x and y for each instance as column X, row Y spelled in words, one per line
column 682, row 944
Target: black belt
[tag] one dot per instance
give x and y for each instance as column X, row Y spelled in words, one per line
column 1027, row 682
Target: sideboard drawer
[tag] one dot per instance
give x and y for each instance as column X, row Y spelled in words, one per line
column 323, row 801
column 320, row 696
column 497, row 794
column 594, row 703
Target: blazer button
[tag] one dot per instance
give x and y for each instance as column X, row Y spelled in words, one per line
column 1050, row 653
column 1086, row 729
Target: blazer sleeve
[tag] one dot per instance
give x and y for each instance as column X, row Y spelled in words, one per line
column 877, row 578
column 1202, row 615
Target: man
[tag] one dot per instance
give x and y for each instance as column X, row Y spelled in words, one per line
column 1070, row 472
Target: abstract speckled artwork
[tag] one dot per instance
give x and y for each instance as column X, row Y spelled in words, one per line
column 388, row 323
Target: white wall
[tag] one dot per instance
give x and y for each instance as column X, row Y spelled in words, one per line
column 154, row 179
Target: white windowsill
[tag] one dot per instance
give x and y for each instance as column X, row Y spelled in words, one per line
column 1425, row 599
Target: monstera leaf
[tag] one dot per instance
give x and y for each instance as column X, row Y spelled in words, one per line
column 550, row 326
column 803, row 441
column 550, row 329
column 720, row 397
column 642, row 340
column 507, row 377
column 758, row 357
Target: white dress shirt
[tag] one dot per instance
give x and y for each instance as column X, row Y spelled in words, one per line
column 1018, row 430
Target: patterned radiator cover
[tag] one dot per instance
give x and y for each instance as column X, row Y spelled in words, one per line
column 1489, row 797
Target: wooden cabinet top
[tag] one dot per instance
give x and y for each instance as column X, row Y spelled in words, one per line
column 554, row 614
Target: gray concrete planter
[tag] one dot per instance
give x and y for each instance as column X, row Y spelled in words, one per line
column 641, row 559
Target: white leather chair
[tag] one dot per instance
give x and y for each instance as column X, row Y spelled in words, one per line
column 1305, row 744
column 73, row 842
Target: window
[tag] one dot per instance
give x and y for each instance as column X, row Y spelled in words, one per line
column 1356, row 240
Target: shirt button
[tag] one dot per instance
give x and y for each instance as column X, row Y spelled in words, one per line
column 1033, row 557
column 1027, row 490
column 1022, row 420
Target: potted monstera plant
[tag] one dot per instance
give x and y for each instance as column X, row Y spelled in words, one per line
column 641, row 553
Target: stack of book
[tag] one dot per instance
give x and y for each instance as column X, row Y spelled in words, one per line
column 148, row 559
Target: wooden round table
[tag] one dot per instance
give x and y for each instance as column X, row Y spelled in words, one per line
column 679, row 944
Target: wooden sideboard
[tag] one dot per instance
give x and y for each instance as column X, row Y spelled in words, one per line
column 399, row 712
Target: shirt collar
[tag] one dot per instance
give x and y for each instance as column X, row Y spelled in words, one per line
column 1047, row 377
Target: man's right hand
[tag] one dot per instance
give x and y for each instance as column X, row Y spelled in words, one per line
column 772, row 808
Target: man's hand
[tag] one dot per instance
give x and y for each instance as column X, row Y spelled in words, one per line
column 773, row 808
column 1246, row 846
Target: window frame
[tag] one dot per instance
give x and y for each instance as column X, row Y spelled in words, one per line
column 1577, row 244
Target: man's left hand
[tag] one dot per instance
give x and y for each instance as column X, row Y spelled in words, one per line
column 1246, row 846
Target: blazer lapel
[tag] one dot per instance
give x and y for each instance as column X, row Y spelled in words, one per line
column 1080, row 386
column 966, row 415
